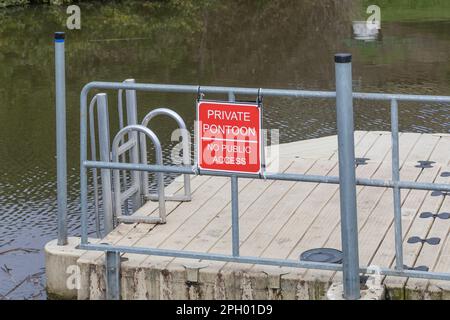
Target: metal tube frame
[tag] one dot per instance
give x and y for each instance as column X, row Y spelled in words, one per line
column 235, row 215
column 186, row 155
column 131, row 110
column 118, row 139
column 121, row 126
column 112, row 275
column 296, row 177
column 347, row 174
column 61, row 139
column 94, row 157
column 261, row 261
column 105, row 156
column 191, row 89
column 396, row 190
column 235, row 202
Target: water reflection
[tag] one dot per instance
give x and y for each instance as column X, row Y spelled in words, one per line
column 281, row 44
column 364, row 31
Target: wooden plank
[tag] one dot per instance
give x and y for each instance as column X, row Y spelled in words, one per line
column 248, row 222
column 142, row 262
column 276, row 221
column 361, row 149
column 217, row 227
column 252, row 192
column 206, row 226
column 157, row 237
column 141, row 229
column 153, row 262
column 441, row 155
column 224, row 227
column 256, row 213
column 429, row 254
column 361, row 138
column 439, row 289
column 377, row 152
column 328, row 221
column 382, row 217
column 151, row 207
column 373, row 233
column 175, row 187
column 127, row 234
column 187, row 231
column 123, row 230
column 368, row 199
column 320, row 148
column 418, row 201
column 370, row 139
column 380, row 150
column 160, row 232
column 299, row 220
column 415, row 202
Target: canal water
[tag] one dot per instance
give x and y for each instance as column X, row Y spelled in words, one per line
column 277, row 44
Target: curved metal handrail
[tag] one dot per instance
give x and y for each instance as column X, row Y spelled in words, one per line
column 160, row 176
column 186, row 153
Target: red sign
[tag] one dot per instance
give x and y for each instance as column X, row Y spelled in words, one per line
column 229, row 136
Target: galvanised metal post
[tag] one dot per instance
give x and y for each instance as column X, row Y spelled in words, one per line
column 234, row 202
column 61, row 156
column 396, row 189
column 347, row 175
column 131, row 101
column 95, row 170
column 235, row 215
column 112, row 269
column 105, row 156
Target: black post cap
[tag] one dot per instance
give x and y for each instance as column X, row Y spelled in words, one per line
column 343, row 58
column 59, row 35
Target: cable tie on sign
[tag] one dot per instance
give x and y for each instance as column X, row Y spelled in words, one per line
column 259, row 98
column 263, row 174
column 200, row 95
column 195, row 170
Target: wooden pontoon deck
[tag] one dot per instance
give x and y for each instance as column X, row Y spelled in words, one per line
column 281, row 219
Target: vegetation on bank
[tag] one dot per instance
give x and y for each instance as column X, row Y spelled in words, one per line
column 8, row 3
column 261, row 43
column 412, row 10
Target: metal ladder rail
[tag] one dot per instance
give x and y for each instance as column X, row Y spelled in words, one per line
column 104, row 132
column 101, row 101
column 121, row 126
column 119, row 196
column 131, row 119
column 186, row 156
column 94, row 170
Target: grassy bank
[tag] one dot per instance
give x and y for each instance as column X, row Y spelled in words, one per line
column 8, row 3
column 412, row 10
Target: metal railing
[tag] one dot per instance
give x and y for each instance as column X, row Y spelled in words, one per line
column 137, row 190
column 186, row 155
column 120, row 196
column 347, row 180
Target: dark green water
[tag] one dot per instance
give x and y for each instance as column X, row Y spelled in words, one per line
column 278, row 44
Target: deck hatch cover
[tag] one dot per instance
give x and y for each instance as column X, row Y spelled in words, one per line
column 325, row 255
